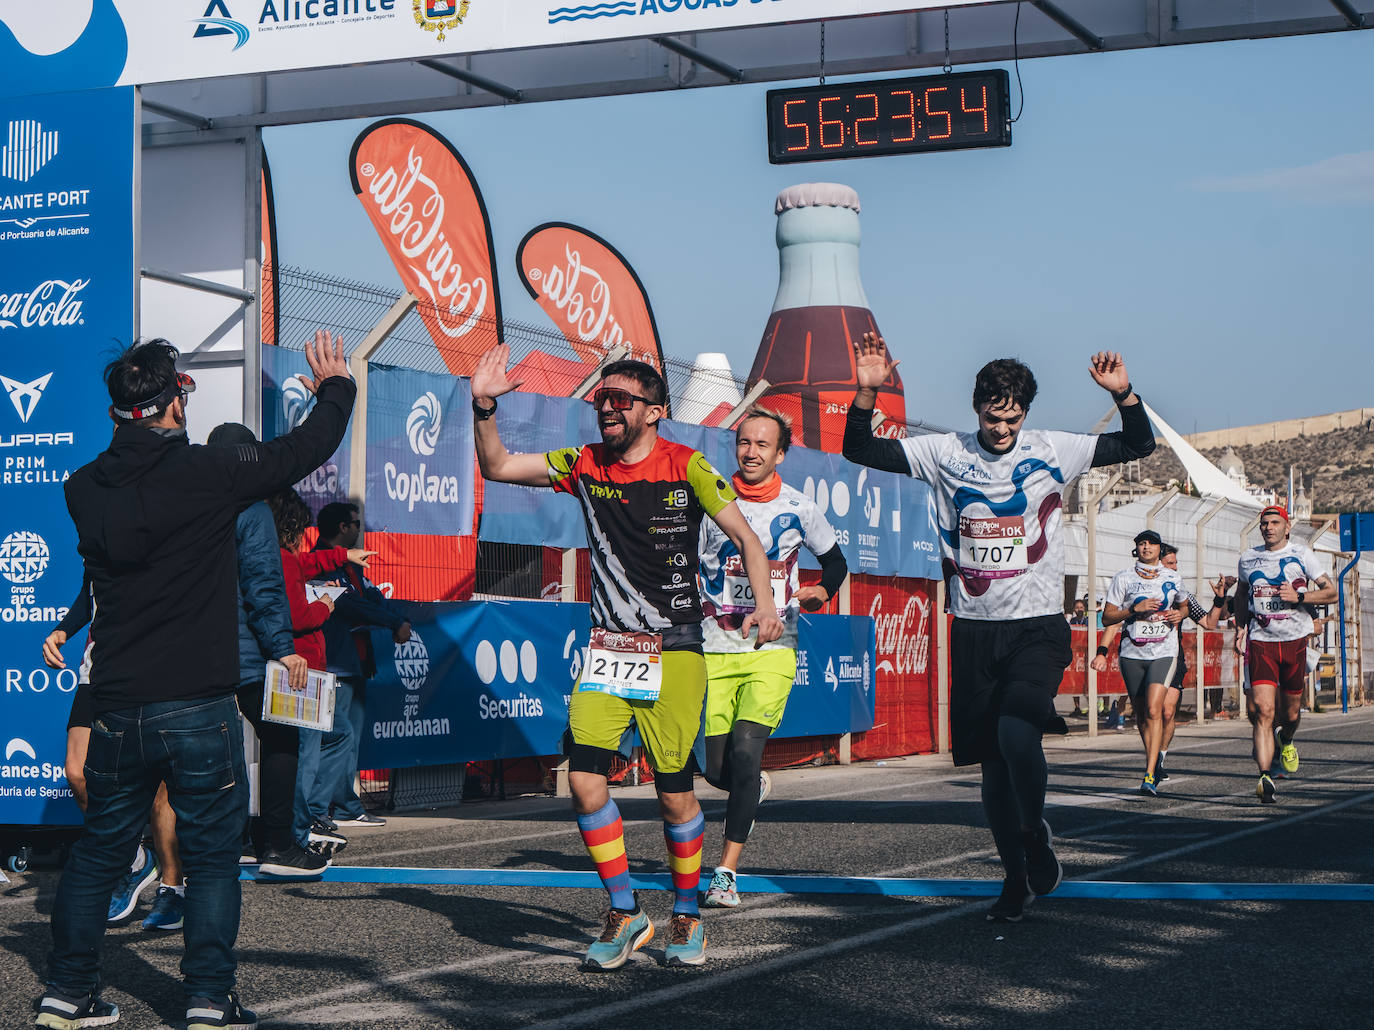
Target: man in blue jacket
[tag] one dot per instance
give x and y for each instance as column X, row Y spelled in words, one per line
column 350, row 656
column 265, row 634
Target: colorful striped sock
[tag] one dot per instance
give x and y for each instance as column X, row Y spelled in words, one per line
column 604, row 836
column 684, row 859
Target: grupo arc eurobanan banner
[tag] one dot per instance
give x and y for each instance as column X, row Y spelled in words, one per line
column 66, row 307
column 46, row 47
column 425, row 205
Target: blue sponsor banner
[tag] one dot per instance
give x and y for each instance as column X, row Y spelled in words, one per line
column 420, row 461
column 66, row 305
column 490, row 679
column 285, row 404
column 885, row 522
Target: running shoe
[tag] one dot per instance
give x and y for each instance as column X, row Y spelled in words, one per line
column 765, row 786
column 208, row 1014
column 1161, row 774
column 1265, row 791
column 1288, row 754
column 1011, row 904
column 125, row 897
column 722, row 892
column 625, row 933
column 293, row 862
column 366, row 819
column 167, row 909
column 324, row 832
column 1043, row 871
column 1147, row 786
column 59, row 1011
column 687, row 946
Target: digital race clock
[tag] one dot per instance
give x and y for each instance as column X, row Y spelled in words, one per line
column 889, row 116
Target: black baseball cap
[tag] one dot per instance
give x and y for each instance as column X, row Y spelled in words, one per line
column 1150, row 536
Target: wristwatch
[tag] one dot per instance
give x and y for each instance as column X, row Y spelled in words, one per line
column 1302, row 594
column 480, row 413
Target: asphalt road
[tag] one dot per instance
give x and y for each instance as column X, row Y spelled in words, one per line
column 391, row 956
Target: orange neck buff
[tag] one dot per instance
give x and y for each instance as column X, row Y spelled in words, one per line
column 768, row 490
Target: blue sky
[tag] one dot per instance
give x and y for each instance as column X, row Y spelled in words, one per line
column 1207, row 210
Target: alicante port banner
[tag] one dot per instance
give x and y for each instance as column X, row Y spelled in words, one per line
column 479, row 681
column 66, row 307
column 425, row 205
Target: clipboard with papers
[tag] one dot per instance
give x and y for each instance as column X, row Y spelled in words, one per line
column 311, row 708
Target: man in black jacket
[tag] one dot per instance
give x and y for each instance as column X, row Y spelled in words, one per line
column 155, row 526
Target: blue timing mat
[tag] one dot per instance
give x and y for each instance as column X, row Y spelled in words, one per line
column 890, row 887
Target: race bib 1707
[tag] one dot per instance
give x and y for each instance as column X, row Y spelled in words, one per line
column 628, row 665
column 992, row 546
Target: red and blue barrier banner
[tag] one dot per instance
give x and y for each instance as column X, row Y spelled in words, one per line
column 421, row 465
column 66, row 302
column 483, row 680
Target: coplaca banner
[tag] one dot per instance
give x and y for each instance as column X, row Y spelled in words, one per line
column 479, row 681
column 66, row 305
column 285, row 404
column 46, row 47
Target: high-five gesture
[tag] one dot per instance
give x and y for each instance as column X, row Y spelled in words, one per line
column 490, row 379
column 1108, row 369
column 873, row 366
column 325, row 356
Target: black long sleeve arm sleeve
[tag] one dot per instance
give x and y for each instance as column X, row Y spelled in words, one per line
column 833, row 570
column 1135, row 439
column 863, row 448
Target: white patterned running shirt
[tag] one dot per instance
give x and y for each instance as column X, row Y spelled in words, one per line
column 1147, row 637
column 999, row 517
column 1264, row 571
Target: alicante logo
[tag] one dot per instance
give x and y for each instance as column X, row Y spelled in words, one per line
column 216, row 21
column 412, row 662
column 23, row 557
column 439, row 16
column 28, row 148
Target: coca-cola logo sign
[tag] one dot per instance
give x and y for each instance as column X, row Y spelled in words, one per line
column 421, row 198
column 52, row 302
column 582, row 296
column 903, row 647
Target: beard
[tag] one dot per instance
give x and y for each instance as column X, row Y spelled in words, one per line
column 618, row 445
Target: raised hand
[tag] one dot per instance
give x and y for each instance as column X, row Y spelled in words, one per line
column 1108, row 369
column 325, row 356
column 1222, row 584
column 873, row 366
column 490, row 379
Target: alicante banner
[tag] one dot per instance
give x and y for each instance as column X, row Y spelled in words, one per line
column 46, row 47
column 421, row 197
column 592, row 294
column 66, row 301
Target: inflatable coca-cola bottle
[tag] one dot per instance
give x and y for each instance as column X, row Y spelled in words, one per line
column 807, row 352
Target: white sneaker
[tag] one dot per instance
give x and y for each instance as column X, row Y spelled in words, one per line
column 722, row 892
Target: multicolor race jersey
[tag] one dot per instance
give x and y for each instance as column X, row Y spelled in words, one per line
column 999, row 517
column 783, row 525
column 643, row 522
column 1147, row 637
column 1264, row 571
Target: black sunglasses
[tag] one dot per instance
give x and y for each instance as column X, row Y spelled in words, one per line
column 621, row 400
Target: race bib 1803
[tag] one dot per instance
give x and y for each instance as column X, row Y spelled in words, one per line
column 628, row 665
column 1265, row 600
column 992, row 547
column 739, row 595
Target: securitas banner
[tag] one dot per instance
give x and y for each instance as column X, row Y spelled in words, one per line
column 479, row 680
column 885, row 523
column 420, row 459
column 285, row 404
column 66, row 300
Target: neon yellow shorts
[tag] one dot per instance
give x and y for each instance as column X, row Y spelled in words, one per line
column 751, row 685
column 668, row 725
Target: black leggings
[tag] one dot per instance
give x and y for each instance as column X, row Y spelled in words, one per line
column 733, row 763
column 280, row 746
column 1014, row 782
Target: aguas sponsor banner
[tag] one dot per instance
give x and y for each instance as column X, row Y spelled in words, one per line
column 52, row 46
column 66, row 296
column 285, row 404
column 420, row 459
column 425, row 205
column 592, row 294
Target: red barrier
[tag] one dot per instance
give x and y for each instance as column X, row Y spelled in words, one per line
column 905, row 710
column 1216, row 645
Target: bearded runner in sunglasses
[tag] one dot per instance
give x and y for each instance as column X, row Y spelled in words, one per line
column 997, row 496
column 643, row 499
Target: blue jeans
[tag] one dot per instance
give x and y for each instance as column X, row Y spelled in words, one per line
column 197, row 748
column 324, row 774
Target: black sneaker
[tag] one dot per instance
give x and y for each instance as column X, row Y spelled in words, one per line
column 207, row 1014
column 1265, row 791
column 1011, row 905
column 59, row 1011
column 324, row 832
column 1043, row 871
column 293, row 862
column 366, row 819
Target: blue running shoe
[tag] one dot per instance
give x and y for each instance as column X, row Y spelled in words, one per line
column 59, row 1011
column 687, row 945
column 625, row 932
column 125, row 897
column 1148, row 786
column 167, row 908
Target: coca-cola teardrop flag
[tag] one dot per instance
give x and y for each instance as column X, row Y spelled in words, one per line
column 269, row 294
column 425, row 205
column 594, row 297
